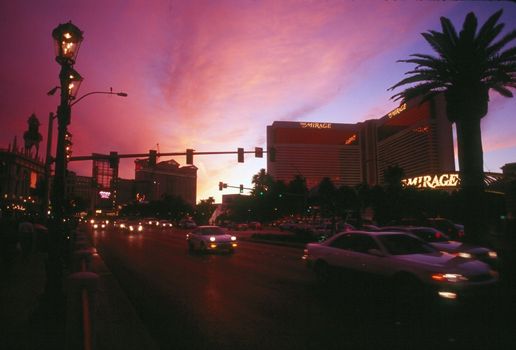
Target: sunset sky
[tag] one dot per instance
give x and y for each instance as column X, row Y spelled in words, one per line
column 212, row 74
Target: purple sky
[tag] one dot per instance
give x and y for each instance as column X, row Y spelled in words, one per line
column 211, row 75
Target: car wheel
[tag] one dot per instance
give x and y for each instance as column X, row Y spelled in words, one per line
column 323, row 272
column 191, row 247
column 202, row 247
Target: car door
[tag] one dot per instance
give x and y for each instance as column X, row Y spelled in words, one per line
column 342, row 253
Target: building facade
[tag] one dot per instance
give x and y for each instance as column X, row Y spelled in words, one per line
column 22, row 179
column 415, row 136
column 166, row 178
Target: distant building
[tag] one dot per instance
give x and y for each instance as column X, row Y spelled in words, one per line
column 80, row 188
column 415, row 136
column 22, row 178
column 166, row 178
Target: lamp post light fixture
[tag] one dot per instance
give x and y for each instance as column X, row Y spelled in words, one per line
column 67, row 40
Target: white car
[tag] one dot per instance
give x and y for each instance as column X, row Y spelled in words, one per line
column 211, row 238
column 444, row 243
column 412, row 266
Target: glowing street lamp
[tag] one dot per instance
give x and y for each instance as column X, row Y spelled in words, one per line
column 67, row 40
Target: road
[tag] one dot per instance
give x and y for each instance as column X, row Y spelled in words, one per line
column 263, row 297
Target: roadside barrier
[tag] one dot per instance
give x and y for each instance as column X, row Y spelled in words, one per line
column 82, row 291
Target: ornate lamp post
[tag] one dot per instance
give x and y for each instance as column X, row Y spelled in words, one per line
column 67, row 40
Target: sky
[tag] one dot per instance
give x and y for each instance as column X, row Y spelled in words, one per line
column 212, row 74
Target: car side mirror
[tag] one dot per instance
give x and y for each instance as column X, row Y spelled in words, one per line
column 376, row 252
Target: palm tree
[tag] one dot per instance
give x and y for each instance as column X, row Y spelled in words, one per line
column 466, row 67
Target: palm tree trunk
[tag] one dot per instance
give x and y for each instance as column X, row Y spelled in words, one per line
column 471, row 161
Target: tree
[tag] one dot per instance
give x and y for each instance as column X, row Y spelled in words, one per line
column 467, row 66
column 262, row 181
column 203, row 211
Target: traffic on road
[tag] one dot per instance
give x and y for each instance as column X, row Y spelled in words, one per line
column 264, row 296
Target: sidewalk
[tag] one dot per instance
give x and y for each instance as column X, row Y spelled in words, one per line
column 27, row 323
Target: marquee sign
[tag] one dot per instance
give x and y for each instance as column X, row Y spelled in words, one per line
column 315, row 125
column 433, row 181
column 397, row 111
column 446, row 180
column 104, row 194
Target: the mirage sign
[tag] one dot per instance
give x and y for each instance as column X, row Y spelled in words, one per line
column 450, row 180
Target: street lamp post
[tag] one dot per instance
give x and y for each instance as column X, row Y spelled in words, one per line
column 67, row 39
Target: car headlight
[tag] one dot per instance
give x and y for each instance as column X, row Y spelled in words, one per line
column 233, row 238
column 212, row 239
column 464, row 255
column 95, row 226
column 492, row 254
column 448, row 277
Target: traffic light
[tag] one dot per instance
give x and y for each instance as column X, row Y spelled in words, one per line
column 258, row 152
column 241, row 188
column 68, row 145
column 240, row 155
column 221, row 185
column 272, row 154
column 152, row 157
column 189, row 156
column 113, row 160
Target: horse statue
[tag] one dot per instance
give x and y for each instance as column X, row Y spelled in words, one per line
column 32, row 136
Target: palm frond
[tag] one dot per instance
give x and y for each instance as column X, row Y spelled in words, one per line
column 502, row 90
column 449, row 30
column 467, row 34
column 418, row 90
column 433, row 42
column 418, row 78
column 501, row 43
column 508, row 55
column 486, row 40
column 485, row 33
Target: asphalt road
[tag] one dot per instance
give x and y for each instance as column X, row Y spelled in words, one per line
column 263, row 297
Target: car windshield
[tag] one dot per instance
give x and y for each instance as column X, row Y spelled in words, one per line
column 429, row 235
column 404, row 244
column 212, row 231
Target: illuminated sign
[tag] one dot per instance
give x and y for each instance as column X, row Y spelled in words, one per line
column 422, row 129
column 397, row 111
column 352, row 139
column 314, row 125
column 104, row 194
column 433, row 181
column 33, row 179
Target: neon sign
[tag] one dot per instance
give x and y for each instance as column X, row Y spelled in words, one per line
column 351, row 139
column 104, row 194
column 397, row 111
column 315, row 125
column 433, row 181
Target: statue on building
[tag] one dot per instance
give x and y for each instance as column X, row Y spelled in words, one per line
column 32, row 136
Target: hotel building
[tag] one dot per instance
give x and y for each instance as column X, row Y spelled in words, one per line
column 415, row 136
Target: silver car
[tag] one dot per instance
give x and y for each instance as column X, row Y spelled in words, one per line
column 408, row 264
column 444, row 243
column 211, row 238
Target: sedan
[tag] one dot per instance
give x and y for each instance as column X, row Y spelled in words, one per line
column 211, row 238
column 412, row 267
column 444, row 243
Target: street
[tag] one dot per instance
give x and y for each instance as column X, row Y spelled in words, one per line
column 263, row 297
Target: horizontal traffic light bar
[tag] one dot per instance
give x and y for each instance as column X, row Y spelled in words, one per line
column 258, row 151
